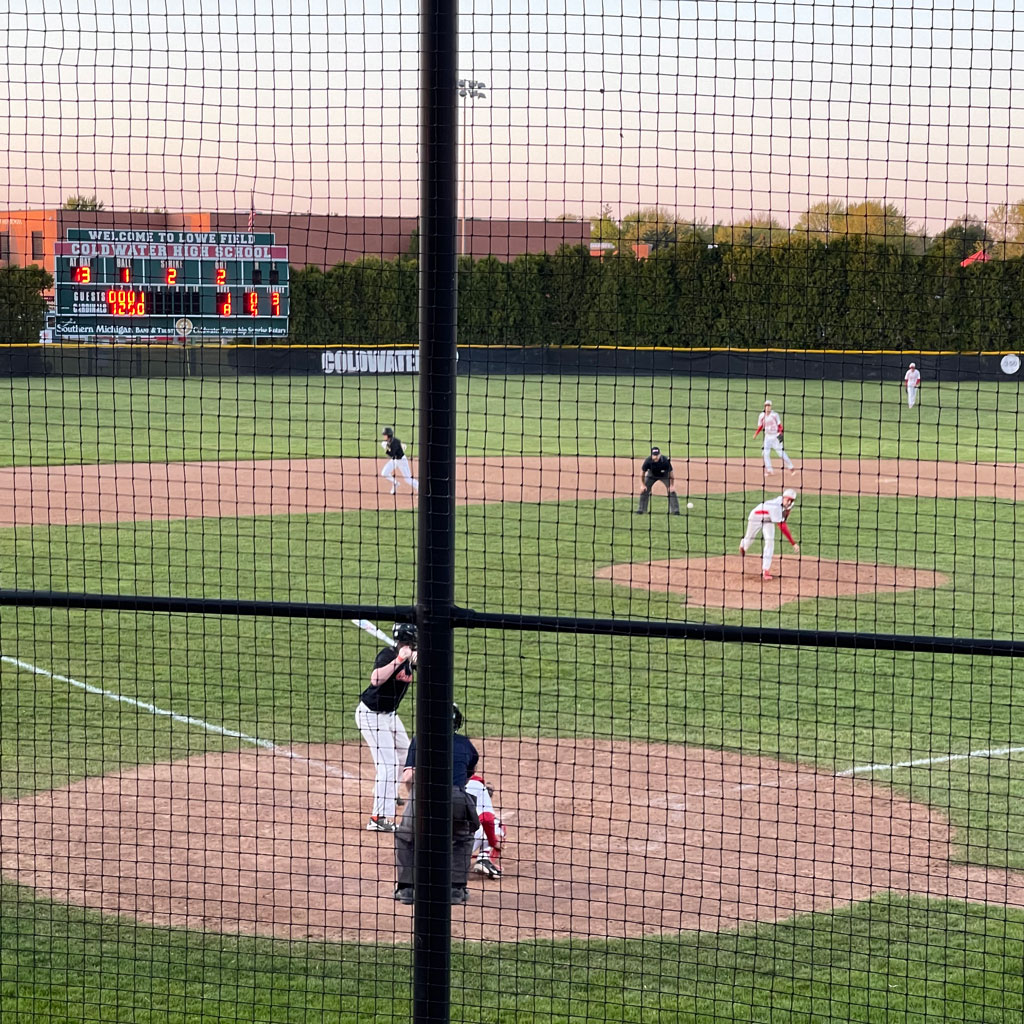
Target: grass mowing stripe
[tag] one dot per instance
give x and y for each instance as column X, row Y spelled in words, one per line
column 221, row 730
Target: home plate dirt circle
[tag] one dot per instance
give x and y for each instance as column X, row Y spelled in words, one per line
column 657, row 839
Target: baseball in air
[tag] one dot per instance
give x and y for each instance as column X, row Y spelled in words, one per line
column 689, row 504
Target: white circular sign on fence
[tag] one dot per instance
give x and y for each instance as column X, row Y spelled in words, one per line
column 1010, row 363
column 183, row 326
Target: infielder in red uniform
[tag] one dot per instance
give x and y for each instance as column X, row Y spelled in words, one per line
column 763, row 519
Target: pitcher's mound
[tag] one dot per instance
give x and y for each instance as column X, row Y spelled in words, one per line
column 732, row 581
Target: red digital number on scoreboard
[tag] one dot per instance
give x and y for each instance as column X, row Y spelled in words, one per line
column 224, row 304
column 126, row 303
column 171, row 277
column 252, row 303
column 221, row 276
column 126, row 275
column 275, row 303
column 82, row 275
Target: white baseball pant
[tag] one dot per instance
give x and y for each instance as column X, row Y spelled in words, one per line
column 911, row 396
column 774, row 444
column 402, row 464
column 755, row 523
column 478, row 791
column 389, row 744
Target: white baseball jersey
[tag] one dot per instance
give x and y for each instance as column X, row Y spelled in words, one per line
column 771, row 422
column 771, row 510
column 913, row 378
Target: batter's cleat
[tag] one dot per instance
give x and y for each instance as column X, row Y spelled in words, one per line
column 460, row 895
column 486, row 867
column 769, row 472
column 378, row 823
column 405, row 894
column 392, row 491
column 767, row 575
column 743, row 550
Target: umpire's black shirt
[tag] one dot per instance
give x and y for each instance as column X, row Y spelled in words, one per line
column 659, row 468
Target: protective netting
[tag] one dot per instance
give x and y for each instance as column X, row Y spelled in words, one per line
column 736, row 474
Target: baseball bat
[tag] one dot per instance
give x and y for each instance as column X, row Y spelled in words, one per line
column 369, row 627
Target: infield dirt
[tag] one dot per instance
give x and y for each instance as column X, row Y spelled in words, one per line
column 123, row 492
column 657, row 838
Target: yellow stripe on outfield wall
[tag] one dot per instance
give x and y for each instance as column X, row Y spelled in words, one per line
column 529, row 348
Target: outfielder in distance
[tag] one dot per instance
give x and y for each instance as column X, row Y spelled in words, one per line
column 657, row 468
column 397, row 459
column 763, row 519
column 771, row 423
column 912, row 381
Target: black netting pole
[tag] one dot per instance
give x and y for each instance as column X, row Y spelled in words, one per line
column 436, row 570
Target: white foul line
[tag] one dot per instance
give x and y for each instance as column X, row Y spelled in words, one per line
column 221, row 730
column 865, row 769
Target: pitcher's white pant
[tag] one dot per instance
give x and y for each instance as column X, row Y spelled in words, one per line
column 911, row 396
column 774, row 444
column 402, row 464
column 767, row 528
column 389, row 744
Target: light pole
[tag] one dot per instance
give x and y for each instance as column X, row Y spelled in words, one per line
column 469, row 89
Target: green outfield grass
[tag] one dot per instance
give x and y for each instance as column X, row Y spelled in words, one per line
column 880, row 961
column 101, row 419
column 298, row 681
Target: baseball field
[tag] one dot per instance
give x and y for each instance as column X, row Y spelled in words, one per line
column 698, row 832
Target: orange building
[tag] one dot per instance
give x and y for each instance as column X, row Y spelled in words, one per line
column 28, row 236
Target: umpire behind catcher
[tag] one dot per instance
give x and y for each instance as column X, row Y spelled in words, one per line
column 465, row 820
column 657, row 468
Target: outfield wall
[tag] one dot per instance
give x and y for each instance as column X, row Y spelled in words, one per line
column 217, row 360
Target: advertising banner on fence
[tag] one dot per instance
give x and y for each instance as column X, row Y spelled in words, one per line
column 371, row 360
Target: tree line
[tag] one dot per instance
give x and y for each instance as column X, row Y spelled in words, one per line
column 849, row 294
column 845, row 276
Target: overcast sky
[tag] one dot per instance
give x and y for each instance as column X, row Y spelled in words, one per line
column 711, row 109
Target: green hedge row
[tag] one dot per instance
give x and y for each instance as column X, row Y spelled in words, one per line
column 842, row 296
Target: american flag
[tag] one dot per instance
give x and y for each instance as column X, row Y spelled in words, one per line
column 252, row 211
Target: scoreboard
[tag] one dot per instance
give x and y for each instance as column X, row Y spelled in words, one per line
column 123, row 285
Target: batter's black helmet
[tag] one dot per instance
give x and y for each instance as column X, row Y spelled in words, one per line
column 388, row 432
column 404, row 633
column 456, row 717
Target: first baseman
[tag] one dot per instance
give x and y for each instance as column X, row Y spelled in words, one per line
column 378, row 721
column 763, row 518
column 912, row 381
column 657, row 468
column 771, row 423
column 397, row 459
